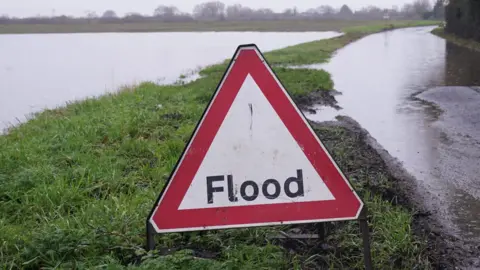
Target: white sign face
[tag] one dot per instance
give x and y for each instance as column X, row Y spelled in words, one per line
column 245, row 166
column 253, row 160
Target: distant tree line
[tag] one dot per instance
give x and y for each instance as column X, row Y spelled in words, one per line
column 218, row 11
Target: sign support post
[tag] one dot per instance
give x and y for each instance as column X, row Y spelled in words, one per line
column 364, row 230
column 321, row 231
column 367, row 254
column 254, row 160
column 150, row 237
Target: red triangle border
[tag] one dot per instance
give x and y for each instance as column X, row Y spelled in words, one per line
column 165, row 216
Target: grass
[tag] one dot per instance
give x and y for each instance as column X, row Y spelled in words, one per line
column 78, row 182
column 270, row 26
column 468, row 43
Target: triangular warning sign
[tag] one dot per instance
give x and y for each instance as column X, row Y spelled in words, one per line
column 253, row 160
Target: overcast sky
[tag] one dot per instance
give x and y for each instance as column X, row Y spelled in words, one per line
column 23, row 8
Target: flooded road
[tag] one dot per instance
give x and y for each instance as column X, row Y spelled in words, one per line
column 388, row 83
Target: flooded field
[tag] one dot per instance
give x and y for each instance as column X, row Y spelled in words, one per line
column 381, row 77
column 44, row 71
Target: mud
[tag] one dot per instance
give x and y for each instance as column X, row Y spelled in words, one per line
column 320, row 97
column 444, row 250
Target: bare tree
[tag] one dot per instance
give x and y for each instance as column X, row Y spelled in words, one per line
column 312, row 11
column 345, row 12
column 265, row 11
column 393, row 12
column 439, row 9
column 408, row 11
column 109, row 14
column 265, row 14
column 239, row 12
column 288, row 12
column 166, row 11
column 422, row 6
column 133, row 17
column 91, row 14
column 209, row 10
column 417, row 9
column 4, row 18
column 370, row 12
column 326, row 11
column 233, row 11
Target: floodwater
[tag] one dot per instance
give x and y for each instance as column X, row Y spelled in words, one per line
column 44, row 71
column 385, row 80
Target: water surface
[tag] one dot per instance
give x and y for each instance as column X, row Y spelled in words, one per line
column 47, row 70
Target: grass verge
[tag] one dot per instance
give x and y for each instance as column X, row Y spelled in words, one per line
column 78, row 182
column 467, row 43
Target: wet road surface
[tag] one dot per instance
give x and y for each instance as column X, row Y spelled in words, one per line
column 393, row 84
column 457, row 166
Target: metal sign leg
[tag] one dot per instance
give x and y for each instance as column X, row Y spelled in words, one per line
column 321, row 232
column 150, row 237
column 367, row 255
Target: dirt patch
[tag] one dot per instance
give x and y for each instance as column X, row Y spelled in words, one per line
column 319, row 97
column 356, row 154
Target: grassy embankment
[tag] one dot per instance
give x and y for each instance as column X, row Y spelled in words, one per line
column 270, row 26
column 78, row 182
column 468, row 43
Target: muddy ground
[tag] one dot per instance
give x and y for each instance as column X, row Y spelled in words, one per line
column 444, row 250
column 319, row 97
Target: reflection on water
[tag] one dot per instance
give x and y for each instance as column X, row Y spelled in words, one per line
column 38, row 71
column 379, row 77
